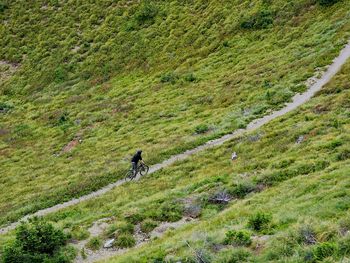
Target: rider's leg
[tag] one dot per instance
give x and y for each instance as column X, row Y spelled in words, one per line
column 134, row 168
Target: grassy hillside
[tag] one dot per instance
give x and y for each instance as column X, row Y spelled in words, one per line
column 85, row 84
column 293, row 172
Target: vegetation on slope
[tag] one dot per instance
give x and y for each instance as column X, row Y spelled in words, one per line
column 289, row 187
column 88, row 83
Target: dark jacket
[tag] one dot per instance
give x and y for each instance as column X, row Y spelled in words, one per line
column 136, row 158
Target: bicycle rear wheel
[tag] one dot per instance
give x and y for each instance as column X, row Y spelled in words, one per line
column 129, row 175
column 143, row 169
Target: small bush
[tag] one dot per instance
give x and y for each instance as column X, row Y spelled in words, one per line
column 325, row 250
column 146, row 13
column 94, row 243
column 148, row 225
column 327, row 2
column 4, row 107
column 201, row 128
column 190, row 77
column 170, row 212
column 242, row 189
column 343, row 155
column 260, row 20
column 344, row 246
column 125, row 241
column 125, row 228
column 230, row 256
column 36, row 241
column 260, row 221
column 238, row 238
column 79, row 233
column 133, row 216
column 307, row 235
column 169, row 78
column 3, row 6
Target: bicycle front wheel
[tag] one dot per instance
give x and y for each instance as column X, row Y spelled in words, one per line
column 144, row 170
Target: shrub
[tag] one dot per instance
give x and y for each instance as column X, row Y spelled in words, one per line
column 169, row 78
column 307, row 235
column 260, row 20
column 170, row 212
column 94, row 243
column 259, row 221
column 148, row 225
column 133, row 216
column 4, row 107
column 125, row 228
column 79, row 233
column 146, row 13
column 238, row 238
column 324, row 250
column 242, row 189
column 343, row 155
column 125, row 241
column 201, row 128
column 36, row 241
column 190, row 77
column 3, row 6
column 230, row 256
column 344, row 246
column 327, row 2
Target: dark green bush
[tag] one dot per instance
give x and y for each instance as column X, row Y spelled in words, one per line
column 327, row 2
column 146, row 13
column 79, row 233
column 190, row 77
column 125, row 228
column 4, row 107
column 260, row 221
column 125, row 241
column 201, row 128
column 325, row 250
column 170, row 212
column 344, row 246
column 133, row 216
column 242, row 189
column 238, row 238
column 260, row 20
column 148, row 225
column 3, row 6
column 36, row 241
column 39, row 236
column 94, row 243
column 233, row 256
column 343, row 155
column 169, row 78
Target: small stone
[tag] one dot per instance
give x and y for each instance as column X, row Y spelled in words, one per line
column 109, row 243
column 234, row 156
column 300, row 139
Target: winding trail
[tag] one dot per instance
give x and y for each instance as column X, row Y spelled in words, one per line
column 297, row 100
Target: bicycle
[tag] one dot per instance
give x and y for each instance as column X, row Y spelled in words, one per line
column 141, row 169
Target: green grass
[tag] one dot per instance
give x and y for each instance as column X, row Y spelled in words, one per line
column 300, row 188
column 163, row 76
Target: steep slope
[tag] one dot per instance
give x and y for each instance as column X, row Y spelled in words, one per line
column 295, row 169
column 87, row 83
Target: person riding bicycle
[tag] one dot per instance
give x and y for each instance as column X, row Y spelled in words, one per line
column 135, row 160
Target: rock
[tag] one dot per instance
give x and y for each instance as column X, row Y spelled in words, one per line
column 234, row 156
column 109, row 243
column 300, row 139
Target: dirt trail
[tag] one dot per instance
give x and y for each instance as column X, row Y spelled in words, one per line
column 297, row 100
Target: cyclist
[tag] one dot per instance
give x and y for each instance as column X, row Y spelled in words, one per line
column 135, row 160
